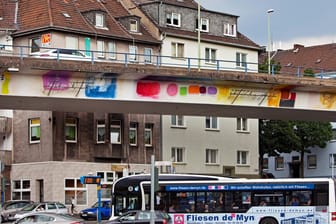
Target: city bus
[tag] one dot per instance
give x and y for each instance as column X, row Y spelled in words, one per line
column 192, row 199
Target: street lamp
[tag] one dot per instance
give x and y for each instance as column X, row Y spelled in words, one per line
column 269, row 38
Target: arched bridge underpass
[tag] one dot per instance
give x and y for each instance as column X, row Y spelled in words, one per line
column 37, row 84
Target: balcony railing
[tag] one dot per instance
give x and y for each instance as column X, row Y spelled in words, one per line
column 159, row 61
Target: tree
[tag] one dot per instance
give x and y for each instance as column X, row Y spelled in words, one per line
column 277, row 137
column 263, row 68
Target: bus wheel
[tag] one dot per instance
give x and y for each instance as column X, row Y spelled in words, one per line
column 268, row 221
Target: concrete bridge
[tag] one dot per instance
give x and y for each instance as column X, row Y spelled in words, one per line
column 68, row 85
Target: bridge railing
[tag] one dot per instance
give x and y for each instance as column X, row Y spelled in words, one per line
column 159, row 61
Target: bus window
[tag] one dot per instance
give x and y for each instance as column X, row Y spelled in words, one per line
column 268, row 199
column 299, row 198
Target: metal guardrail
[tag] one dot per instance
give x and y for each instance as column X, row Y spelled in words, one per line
column 127, row 58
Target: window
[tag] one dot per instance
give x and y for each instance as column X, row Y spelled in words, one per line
column 99, row 20
column 133, row 133
column 174, row 19
column 21, row 190
column 204, row 24
column 210, row 55
column 100, row 49
column 115, row 132
column 71, row 130
column 177, row 121
column 332, row 160
column 106, row 176
column 148, row 55
column 148, row 134
column 133, row 51
column 112, row 50
column 279, row 163
column 74, row 188
column 242, row 124
column 177, row 154
column 211, row 156
column 34, row 130
column 241, row 60
column 35, row 44
column 311, row 161
column 107, row 179
column 133, row 25
column 100, row 131
column 211, row 122
column 242, row 157
column 177, row 50
column 265, row 164
column 230, row 29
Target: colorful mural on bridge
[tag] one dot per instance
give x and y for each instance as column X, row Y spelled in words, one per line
column 106, row 86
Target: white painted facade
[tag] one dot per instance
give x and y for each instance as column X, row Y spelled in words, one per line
column 194, row 138
column 226, row 55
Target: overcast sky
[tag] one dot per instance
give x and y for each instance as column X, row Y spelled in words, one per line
column 307, row 22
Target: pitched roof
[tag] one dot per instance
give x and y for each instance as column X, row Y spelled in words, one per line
column 7, row 15
column 68, row 16
column 318, row 58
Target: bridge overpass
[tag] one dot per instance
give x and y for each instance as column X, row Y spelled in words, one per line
column 67, row 85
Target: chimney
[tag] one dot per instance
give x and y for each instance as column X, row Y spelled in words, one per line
column 298, row 46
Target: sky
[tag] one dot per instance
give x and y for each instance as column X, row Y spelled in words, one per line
column 306, row 22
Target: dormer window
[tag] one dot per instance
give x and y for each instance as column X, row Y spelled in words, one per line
column 230, row 29
column 204, row 25
column 173, row 19
column 99, row 20
column 133, row 25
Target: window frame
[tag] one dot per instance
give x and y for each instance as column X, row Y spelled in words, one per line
column 32, row 130
column 279, row 163
column 100, row 125
column 100, row 49
column 132, row 53
column 177, row 50
column 209, row 57
column 211, row 154
column 178, row 154
column 21, row 190
column 35, row 44
column 312, row 165
column 133, row 128
column 242, row 124
column 265, row 164
column 331, row 163
column 241, row 60
column 73, row 191
column 99, row 20
column 230, row 29
column 211, row 123
column 243, row 158
column 115, row 125
column 71, row 125
column 112, row 50
column 148, row 134
column 173, row 19
column 177, row 121
column 148, row 53
column 206, row 25
column 133, row 25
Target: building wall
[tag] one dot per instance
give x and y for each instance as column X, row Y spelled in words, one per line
column 225, row 53
column 196, row 139
column 54, row 174
column 32, row 152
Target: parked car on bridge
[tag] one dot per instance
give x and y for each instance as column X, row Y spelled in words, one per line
column 142, row 217
column 53, row 207
column 67, row 54
column 47, row 217
column 9, row 208
column 91, row 213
